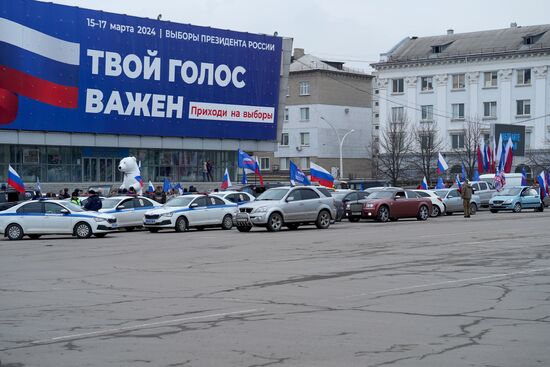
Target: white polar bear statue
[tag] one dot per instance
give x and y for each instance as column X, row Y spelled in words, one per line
column 132, row 175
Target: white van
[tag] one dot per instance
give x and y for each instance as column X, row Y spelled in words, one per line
column 512, row 179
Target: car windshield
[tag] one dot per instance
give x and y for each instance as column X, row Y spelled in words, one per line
column 510, row 192
column 381, row 195
column 179, row 201
column 273, row 194
column 441, row 193
column 109, row 203
column 73, row 207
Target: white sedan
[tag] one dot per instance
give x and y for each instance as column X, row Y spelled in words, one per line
column 237, row 197
column 438, row 207
column 199, row 211
column 37, row 218
column 128, row 210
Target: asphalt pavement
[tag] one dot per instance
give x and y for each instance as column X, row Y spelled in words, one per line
column 446, row 292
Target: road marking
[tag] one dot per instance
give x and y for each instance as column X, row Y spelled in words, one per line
column 428, row 285
column 140, row 326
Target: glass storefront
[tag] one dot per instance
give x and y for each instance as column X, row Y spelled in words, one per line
column 87, row 164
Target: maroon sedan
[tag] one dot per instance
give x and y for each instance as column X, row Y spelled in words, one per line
column 391, row 204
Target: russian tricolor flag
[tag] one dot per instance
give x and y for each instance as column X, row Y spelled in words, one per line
column 542, row 184
column 226, row 182
column 321, row 175
column 441, row 165
column 15, row 181
column 424, row 184
column 150, row 188
column 37, row 66
column 458, row 183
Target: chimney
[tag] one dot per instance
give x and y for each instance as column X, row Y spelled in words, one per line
column 513, row 25
column 450, row 31
column 298, row 52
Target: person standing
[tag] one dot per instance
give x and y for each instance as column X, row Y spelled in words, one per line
column 93, row 202
column 466, row 194
column 75, row 199
column 209, row 169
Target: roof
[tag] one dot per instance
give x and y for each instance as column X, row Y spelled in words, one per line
column 310, row 63
column 472, row 43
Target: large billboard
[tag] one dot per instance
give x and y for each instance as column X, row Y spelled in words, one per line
column 515, row 132
column 77, row 70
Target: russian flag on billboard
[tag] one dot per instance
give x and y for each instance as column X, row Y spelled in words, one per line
column 15, row 181
column 226, row 181
column 321, row 175
column 296, row 175
column 441, row 165
column 542, row 184
column 37, row 66
column 424, row 184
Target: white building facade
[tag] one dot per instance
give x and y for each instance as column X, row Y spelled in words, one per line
column 496, row 76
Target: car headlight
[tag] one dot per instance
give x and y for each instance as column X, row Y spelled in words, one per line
column 261, row 209
column 99, row 219
column 348, row 206
column 369, row 205
column 169, row 214
column 507, row 201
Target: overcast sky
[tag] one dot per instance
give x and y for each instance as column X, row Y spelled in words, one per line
column 347, row 30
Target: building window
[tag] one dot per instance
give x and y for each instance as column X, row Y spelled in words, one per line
column 490, row 109
column 264, row 164
column 284, row 139
column 304, row 88
column 283, row 163
column 426, row 141
column 286, row 116
column 523, row 107
column 490, row 79
column 527, row 140
column 376, row 91
column 458, row 81
column 427, row 113
column 457, row 141
column 376, row 103
column 397, row 86
column 304, row 114
column 458, row 111
column 397, row 114
column 304, row 139
column 524, row 77
column 376, row 115
column 427, row 83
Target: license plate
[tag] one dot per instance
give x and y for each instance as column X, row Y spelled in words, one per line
column 242, row 216
column 114, row 225
column 150, row 221
column 356, row 213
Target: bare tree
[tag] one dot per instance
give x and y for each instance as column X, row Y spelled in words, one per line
column 468, row 152
column 395, row 144
column 539, row 160
column 427, row 144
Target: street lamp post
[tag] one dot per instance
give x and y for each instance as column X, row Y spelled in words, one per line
column 341, row 143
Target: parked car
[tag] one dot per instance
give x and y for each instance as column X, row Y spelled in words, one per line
column 391, row 204
column 516, row 199
column 512, row 179
column 197, row 211
column 9, row 198
column 453, row 201
column 287, row 206
column 485, row 190
column 438, row 207
column 128, row 210
column 344, row 198
column 237, row 197
column 39, row 217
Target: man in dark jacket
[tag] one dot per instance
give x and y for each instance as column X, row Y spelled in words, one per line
column 93, row 202
column 466, row 197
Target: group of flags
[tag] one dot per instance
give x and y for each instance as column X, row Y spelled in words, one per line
column 495, row 159
column 544, row 184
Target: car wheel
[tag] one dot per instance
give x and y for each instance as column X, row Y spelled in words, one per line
column 292, row 226
column 227, row 222
column 100, row 235
column 181, row 224
column 494, row 211
column 473, row 209
column 323, row 220
column 244, row 228
column 153, row 230
column 423, row 213
column 35, row 236
column 14, row 232
column 383, row 214
column 274, row 222
column 354, row 219
column 82, row 230
column 517, row 208
column 436, row 212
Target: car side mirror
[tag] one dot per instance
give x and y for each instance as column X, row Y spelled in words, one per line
column 120, row 207
column 194, row 205
column 64, row 211
column 289, row 199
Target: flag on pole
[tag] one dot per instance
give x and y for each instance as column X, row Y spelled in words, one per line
column 440, row 184
column 441, row 165
column 498, row 155
column 494, row 156
column 226, row 181
column 321, row 175
column 244, row 180
column 458, row 184
column 166, row 186
column 424, row 184
column 464, row 176
column 15, row 181
column 480, row 149
column 296, row 175
column 509, row 156
column 523, row 177
column 542, row 184
column 38, row 188
column 150, row 188
column 246, row 162
column 476, row 175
